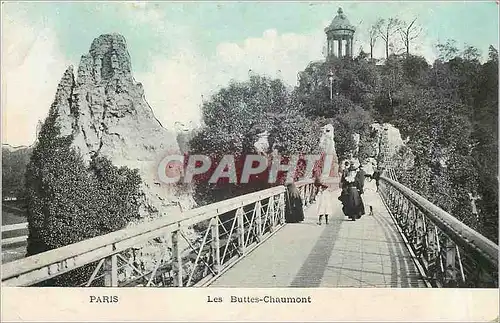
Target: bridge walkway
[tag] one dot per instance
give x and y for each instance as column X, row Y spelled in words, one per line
column 368, row 252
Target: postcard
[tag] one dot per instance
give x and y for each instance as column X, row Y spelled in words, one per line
column 250, row 161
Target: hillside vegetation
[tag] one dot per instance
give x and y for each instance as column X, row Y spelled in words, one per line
column 14, row 163
column 447, row 109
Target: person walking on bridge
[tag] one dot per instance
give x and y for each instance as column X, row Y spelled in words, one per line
column 294, row 212
column 376, row 177
column 352, row 188
column 324, row 203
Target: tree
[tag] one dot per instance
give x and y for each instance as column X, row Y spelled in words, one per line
column 13, row 171
column 68, row 201
column 234, row 117
column 374, row 34
column 471, row 53
column 485, row 148
column 408, row 33
column 386, row 29
column 447, row 50
column 362, row 55
column 492, row 54
column 449, row 110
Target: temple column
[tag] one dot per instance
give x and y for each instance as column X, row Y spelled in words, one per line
column 339, row 54
column 347, row 48
column 351, row 42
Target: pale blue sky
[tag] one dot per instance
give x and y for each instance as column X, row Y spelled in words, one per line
column 211, row 23
column 201, row 45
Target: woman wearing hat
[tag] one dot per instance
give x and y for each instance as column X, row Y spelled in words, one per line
column 294, row 212
column 352, row 188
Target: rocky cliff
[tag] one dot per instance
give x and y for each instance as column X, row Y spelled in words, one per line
column 104, row 108
column 385, row 145
column 327, row 146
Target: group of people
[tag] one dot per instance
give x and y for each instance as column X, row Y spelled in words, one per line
column 352, row 184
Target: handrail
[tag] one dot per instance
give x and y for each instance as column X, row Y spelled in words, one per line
column 461, row 233
column 89, row 251
column 40, row 260
column 14, row 227
column 420, row 219
column 20, row 238
column 14, row 240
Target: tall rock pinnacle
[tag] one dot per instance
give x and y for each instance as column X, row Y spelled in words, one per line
column 105, row 110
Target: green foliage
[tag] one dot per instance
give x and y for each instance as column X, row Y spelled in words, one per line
column 447, row 50
column 450, row 112
column 253, row 102
column 297, row 135
column 13, row 169
column 448, row 109
column 234, row 117
column 69, row 202
column 350, row 109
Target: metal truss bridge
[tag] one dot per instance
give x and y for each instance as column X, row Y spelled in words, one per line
column 244, row 242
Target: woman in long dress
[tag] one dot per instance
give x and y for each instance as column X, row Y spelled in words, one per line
column 324, row 204
column 352, row 188
column 293, row 205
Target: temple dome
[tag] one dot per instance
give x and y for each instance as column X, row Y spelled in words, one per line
column 340, row 22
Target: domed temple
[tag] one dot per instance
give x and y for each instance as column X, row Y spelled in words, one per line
column 341, row 31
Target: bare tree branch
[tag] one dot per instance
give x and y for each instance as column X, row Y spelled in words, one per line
column 417, row 33
column 374, row 34
column 409, row 33
column 386, row 30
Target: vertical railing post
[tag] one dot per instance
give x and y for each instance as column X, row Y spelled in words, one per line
column 241, row 230
column 441, row 270
column 405, row 214
column 432, row 251
column 111, row 271
column 176, row 259
column 258, row 220
column 282, row 208
column 272, row 213
column 399, row 208
column 451, row 268
column 216, row 245
column 411, row 229
column 419, row 233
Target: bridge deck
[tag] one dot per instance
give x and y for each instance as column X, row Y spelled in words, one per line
column 366, row 253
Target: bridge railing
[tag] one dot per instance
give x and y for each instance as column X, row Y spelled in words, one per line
column 166, row 252
column 449, row 253
column 13, row 234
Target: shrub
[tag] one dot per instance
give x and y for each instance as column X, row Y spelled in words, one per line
column 68, row 201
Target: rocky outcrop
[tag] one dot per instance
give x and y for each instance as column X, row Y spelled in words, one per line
column 261, row 145
column 356, row 138
column 385, row 145
column 185, row 132
column 105, row 111
column 327, row 146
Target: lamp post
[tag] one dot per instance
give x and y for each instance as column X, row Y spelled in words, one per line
column 330, row 79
